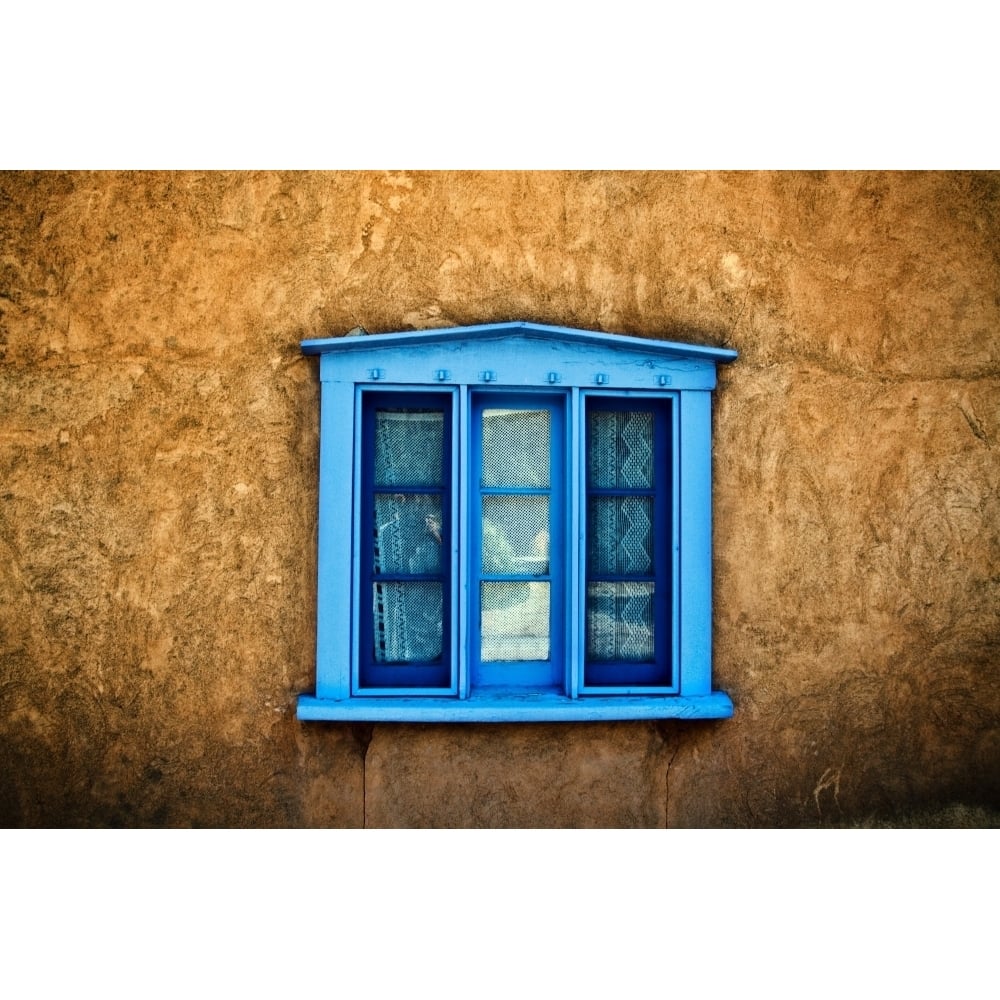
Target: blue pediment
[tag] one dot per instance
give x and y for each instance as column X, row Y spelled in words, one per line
column 518, row 353
column 522, row 330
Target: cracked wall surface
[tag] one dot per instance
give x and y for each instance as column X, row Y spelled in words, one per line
column 158, row 462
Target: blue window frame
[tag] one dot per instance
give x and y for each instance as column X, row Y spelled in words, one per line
column 631, row 540
column 406, row 525
column 514, row 525
column 517, row 529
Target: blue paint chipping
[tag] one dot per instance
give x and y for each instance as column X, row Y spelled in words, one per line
column 514, row 525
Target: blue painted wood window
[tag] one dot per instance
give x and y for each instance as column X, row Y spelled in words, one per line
column 514, row 525
column 631, row 536
column 405, row 597
column 517, row 530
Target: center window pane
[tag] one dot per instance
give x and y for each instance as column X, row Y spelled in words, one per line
column 516, row 448
column 514, row 621
column 516, row 534
column 515, row 558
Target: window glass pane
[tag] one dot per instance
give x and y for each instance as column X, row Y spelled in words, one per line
column 514, row 621
column 516, row 448
column 619, row 536
column 408, row 621
column 620, row 622
column 621, row 449
column 407, row 533
column 516, row 534
column 408, row 447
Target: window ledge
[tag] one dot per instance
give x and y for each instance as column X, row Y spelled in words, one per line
column 503, row 706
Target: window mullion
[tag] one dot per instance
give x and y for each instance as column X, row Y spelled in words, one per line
column 462, row 566
column 575, row 582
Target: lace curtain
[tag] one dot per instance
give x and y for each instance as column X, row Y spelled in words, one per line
column 407, row 539
column 514, row 615
column 620, row 536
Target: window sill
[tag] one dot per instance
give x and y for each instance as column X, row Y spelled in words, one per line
column 504, row 706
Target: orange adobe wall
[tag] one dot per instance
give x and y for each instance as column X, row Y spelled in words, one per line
column 158, row 464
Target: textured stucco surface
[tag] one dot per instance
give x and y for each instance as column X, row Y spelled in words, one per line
column 158, row 444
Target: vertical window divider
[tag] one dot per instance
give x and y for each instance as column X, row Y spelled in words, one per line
column 575, row 583
column 357, row 547
column 461, row 430
column 675, row 538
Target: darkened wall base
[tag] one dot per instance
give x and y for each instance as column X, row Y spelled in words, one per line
column 158, row 471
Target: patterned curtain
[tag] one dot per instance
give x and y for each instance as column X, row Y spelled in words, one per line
column 408, row 535
column 620, row 537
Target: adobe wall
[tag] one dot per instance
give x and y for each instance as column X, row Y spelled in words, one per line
column 158, row 462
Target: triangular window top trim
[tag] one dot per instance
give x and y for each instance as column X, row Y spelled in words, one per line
column 522, row 330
